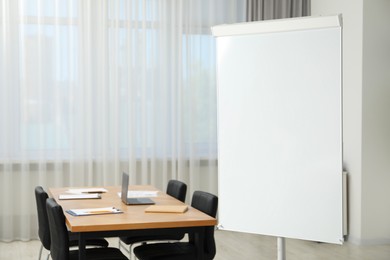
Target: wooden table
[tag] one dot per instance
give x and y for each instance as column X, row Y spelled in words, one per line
column 133, row 220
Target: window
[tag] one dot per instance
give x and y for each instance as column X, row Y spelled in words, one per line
column 108, row 78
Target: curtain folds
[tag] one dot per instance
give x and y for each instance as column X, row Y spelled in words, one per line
column 257, row 10
column 91, row 88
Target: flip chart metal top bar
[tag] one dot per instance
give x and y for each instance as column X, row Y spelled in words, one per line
column 278, row 25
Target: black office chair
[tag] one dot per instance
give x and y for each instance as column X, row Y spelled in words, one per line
column 176, row 189
column 44, row 230
column 203, row 201
column 59, row 236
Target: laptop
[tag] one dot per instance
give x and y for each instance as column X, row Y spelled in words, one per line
column 131, row 201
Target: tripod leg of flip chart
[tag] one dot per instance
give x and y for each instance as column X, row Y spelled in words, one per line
column 281, row 248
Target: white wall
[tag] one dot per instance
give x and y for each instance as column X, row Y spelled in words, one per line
column 366, row 118
column 376, row 122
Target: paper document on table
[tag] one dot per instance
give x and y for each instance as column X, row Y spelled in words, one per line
column 140, row 193
column 87, row 190
column 93, row 211
column 79, row 196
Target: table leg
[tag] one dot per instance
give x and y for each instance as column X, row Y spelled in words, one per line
column 82, row 251
column 199, row 242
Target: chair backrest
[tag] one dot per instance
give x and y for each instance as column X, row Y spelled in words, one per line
column 59, row 248
column 43, row 223
column 177, row 189
column 207, row 203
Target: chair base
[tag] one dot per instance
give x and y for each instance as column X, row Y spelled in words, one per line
column 166, row 251
column 40, row 253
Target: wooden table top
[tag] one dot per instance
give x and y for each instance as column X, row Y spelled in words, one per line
column 133, row 217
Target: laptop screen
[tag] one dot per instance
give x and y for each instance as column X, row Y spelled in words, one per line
column 125, row 186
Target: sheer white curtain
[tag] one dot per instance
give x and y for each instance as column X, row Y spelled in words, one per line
column 91, row 88
column 276, row 9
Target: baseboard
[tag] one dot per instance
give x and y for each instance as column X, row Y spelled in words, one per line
column 368, row 242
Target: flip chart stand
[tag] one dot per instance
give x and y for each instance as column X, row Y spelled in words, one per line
column 281, row 248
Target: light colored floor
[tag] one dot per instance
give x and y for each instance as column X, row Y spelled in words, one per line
column 240, row 246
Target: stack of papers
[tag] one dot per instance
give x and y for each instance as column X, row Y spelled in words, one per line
column 140, row 193
column 93, row 211
column 84, row 193
column 79, row 196
column 87, row 190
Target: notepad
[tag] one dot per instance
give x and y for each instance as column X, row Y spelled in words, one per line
column 166, row 209
column 94, row 211
column 79, row 196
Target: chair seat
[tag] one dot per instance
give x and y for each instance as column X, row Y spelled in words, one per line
column 89, row 242
column 166, row 251
column 59, row 247
column 176, row 189
column 107, row 253
column 157, row 237
column 44, row 230
column 203, row 201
